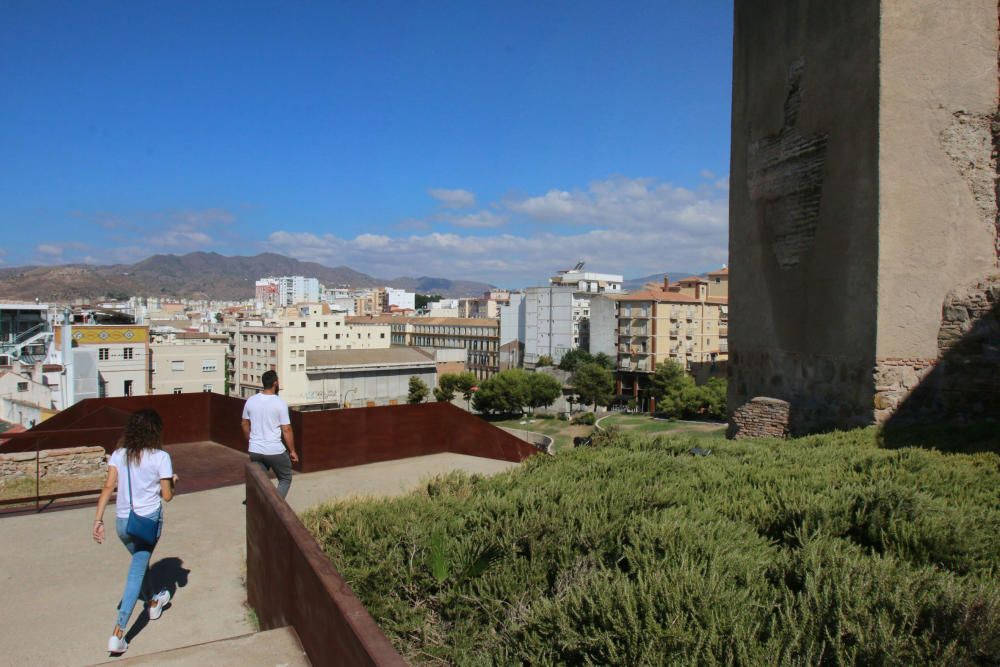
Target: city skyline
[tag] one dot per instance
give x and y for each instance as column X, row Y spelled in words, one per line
column 490, row 143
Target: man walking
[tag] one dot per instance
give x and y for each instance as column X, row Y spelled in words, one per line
column 265, row 422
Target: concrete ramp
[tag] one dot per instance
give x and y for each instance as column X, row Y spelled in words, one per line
column 272, row 648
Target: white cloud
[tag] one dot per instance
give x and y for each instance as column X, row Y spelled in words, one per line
column 49, row 249
column 707, row 174
column 477, row 220
column 182, row 237
column 629, row 226
column 453, row 198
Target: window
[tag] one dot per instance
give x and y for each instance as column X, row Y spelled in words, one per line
column 303, row 325
column 381, row 335
column 22, row 386
column 177, row 390
column 208, row 365
column 325, row 324
column 317, row 325
column 102, row 354
column 338, row 336
column 127, row 354
column 206, row 388
column 177, row 365
column 325, row 336
column 127, row 388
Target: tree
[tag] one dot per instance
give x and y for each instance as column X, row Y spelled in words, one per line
column 594, row 383
column 218, row 317
column 574, row 359
column 449, row 383
column 544, row 360
column 669, row 377
column 418, row 390
column 504, row 393
column 420, row 301
column 542, row 390
column 604, row 360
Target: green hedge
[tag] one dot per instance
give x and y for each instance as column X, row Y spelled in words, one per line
column 822, row 550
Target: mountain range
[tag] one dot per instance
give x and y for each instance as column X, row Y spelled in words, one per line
column 199, row 275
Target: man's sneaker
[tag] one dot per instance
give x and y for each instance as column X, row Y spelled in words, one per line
column 117, row 644
column 161, row 599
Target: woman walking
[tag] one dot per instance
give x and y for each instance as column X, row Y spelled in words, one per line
column 143, row 475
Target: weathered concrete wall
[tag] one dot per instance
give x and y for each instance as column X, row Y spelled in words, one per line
column 804, row 208
column 937, row 190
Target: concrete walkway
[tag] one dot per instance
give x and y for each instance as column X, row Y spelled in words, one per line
column 59, row 588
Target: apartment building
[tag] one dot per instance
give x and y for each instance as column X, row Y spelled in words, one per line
column 281, row 344
column 184, row 362
column 479, row 337
column 557, row 317
column 372, row 302
column 122, row 356
column 286, row 291
column 686, row 321
column 488, row 305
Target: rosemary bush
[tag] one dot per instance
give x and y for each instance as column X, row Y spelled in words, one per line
column 821, row 550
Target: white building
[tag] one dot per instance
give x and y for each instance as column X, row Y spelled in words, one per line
column 401, row 298
column 122, row 356
column 188, row 362
column 557, row 317
column 25, row 400
column 281, row 344
column 512, row 331
column 367, row 377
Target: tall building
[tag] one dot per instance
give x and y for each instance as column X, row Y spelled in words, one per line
column 557, row 317
column 686, row 321
column 371, row 302
column 286, row 291
column 400, row 299
column 512, row 331
column 488, row 305
column 281, row 345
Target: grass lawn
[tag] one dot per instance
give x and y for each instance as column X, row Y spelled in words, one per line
column 646, row 425
column 24, row 487
column 825, row 550
column 561, row 432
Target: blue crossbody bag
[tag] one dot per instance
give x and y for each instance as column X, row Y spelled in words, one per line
column 142, row 529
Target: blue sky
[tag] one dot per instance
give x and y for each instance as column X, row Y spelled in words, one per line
column 493, row 141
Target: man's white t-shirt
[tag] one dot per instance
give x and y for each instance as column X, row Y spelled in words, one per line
column 146, row 475
column 267, row 414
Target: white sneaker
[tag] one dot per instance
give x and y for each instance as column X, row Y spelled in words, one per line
column 161, row 598
column 117, row 644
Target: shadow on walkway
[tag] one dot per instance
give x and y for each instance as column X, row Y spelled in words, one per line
column 167, row 573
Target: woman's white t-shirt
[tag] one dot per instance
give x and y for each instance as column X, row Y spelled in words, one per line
column 152, row 467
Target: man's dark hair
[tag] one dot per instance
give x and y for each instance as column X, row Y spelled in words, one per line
column 268, row 379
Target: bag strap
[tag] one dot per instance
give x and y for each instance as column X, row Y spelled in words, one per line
column 128, row 470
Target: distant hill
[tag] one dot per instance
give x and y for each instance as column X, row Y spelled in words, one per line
column 198, row 275
column 633, row 284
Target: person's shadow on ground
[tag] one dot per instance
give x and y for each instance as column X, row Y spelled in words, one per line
column 167, row 573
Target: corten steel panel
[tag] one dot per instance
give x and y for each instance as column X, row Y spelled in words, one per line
column 342, row 438
column 226, row 417
column 106, row 437
column 290, row 581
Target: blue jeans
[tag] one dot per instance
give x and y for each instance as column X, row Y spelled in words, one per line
column 136, row 585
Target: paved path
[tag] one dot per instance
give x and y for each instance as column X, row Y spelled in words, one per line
column 58, row 589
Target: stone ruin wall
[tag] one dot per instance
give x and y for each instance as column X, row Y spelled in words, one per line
column 69, row 462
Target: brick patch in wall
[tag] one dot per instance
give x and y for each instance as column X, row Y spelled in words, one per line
column 760, row 417
column 895, row 378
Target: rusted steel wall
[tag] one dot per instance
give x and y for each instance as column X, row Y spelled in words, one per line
column 290, row 581
column 325, row 440
column 226, row 415
column 342, row 438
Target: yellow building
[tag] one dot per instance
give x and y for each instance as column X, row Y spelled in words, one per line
column 122, row 356
column 686, row 321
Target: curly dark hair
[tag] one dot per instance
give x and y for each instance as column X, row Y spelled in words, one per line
column 143, row 431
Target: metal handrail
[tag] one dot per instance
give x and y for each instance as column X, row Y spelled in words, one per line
column 38, row 497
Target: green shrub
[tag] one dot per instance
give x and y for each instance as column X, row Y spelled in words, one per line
column 821, row 550
column 586, row 419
